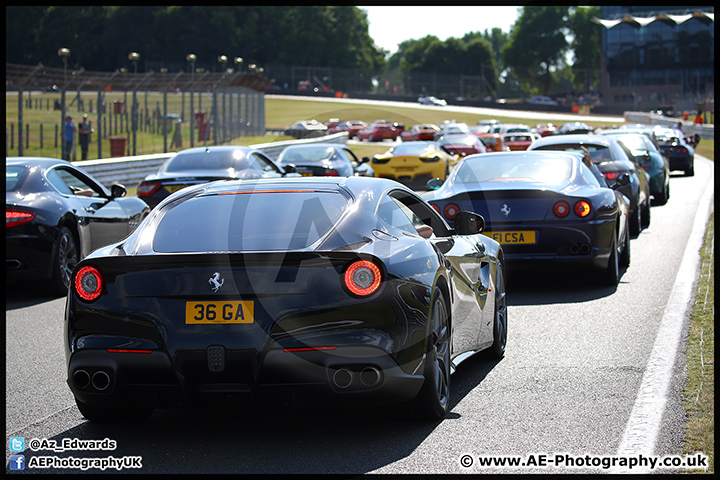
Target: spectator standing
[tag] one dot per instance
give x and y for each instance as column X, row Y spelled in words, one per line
column 84, row 131
column 69, row 138
column 699, row 118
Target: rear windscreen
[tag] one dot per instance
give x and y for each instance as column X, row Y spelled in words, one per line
column 478, row 169
column 248, row 221
column 212, row 160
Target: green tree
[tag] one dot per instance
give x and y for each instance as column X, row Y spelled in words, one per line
column 586, row 46
column 537, row 45
column 481, row 62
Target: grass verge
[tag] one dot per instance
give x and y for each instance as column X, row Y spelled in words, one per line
column 699, row 391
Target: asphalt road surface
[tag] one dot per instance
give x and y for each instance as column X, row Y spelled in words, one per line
column 575, row 359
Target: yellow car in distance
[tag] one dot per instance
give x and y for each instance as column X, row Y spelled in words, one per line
column 414, row 162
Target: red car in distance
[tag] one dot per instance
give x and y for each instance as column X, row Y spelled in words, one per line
column 353, row 127
column 423, row 131
column 377, row 131
column 463, row 144
column 518, row 141
column 545, row 129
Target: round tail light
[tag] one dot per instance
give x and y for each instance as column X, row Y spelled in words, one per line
column 363, row 277
column 561, row 209
column 582, row 208
column 450, row 211
column 88, row 283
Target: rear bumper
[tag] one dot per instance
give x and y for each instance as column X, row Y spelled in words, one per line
column 345, row 375
column 587, row 244
column 680, row 162
column 28, row 257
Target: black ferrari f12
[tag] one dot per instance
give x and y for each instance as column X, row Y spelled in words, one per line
column 337, row 290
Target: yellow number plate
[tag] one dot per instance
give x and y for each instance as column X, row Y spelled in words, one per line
column 306, row 174
column 174, row 188
column 219, row 312
column 404, row 169
column 526, row 237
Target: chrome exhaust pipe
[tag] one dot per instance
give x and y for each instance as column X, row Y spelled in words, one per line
column 342, row 378
column 101, row 380
column 574, row 248
column 12, row 264
column 81, row 379
column 370, row 376
column 585, row 249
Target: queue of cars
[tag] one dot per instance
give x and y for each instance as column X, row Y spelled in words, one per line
column 233, row 277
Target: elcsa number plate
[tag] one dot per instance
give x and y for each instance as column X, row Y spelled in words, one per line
column 219, row 312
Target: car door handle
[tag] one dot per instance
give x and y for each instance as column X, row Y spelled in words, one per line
column 90, row 209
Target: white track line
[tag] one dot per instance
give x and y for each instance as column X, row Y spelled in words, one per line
column 643, row 427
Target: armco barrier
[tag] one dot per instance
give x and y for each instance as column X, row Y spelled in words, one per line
column 130, row 171
column 706, row 132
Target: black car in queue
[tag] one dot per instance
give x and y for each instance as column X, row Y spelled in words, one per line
column 308, row 291
column 324, row 160
column 640, row 147
column 612, row 161
column 206, row 164
column 542, row 207
column 55, row 214
column 679, row 153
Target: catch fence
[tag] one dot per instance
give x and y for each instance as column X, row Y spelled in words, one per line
column 234, row 105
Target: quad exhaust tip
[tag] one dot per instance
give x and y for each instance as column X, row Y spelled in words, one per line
column 81, row 379
column 370, row 376
column 367, row 377
column 101, row 380
column 580, row 248
column 342, row 378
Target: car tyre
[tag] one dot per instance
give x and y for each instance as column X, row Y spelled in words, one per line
column 108, row 414
column 635, row 222
column 690, row 172
column 67, row 257
column 662, row 199
column 497, row 349
column 625, row 255
column 431, row 403
column 611, row 274
column 645, row 216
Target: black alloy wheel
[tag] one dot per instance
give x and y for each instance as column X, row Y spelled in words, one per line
column 645, row 215
column 624, row 260
column 66, row 258
column 500, row 318
column 431, row 403
column 635, row 222
column 611, row 275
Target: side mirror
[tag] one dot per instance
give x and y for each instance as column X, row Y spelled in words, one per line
column 117, row 190
column 469, row 223
column 644, row 158
column 435, row 183
column 364, row 159
column 290, row 168
column 622, row 180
